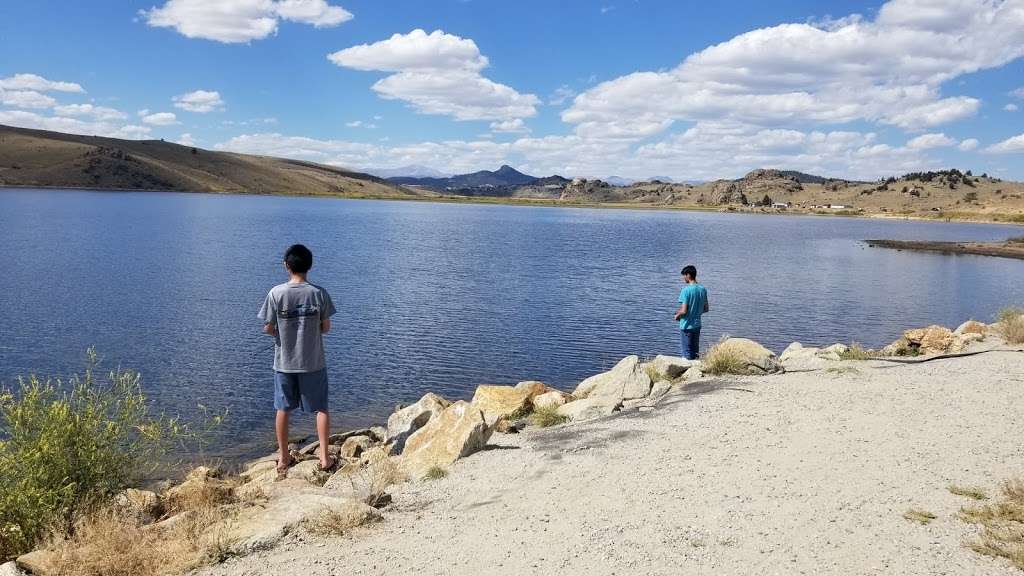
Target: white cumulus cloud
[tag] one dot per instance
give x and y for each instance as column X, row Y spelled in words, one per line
column 97, row 112
column 1014, row 145
column 199, row 101
column 71, row 125
column 887, row 70
column 233, row 21
column 968, row 144
column 438, row 73
column 160, row 119
column 1011, row 107
column 26, row 99
column 37, row 83
column 926, row 141
column 514, row 126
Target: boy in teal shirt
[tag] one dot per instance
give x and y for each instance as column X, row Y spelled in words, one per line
column 693, row 302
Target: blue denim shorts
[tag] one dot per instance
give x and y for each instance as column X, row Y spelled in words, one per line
column 305, row 389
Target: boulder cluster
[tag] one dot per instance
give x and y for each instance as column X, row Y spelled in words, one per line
column 938, row 339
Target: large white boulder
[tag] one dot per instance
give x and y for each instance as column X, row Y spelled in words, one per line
column 260, row 528
column 408, row 420
column 590, row 408
column 670, row 367
column 457, row 432
column 753, row 357
column 626, row 381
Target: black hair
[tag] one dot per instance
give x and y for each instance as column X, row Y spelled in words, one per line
column 690, row 271
column 298, row 258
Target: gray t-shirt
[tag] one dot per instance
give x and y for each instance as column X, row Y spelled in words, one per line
column 297, row 311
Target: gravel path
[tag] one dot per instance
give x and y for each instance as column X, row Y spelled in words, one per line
column 804, row 473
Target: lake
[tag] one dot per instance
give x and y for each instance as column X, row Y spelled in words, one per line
column 443, row 297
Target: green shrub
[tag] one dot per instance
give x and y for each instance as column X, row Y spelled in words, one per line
column 68, row 446
column 856, row 352
column 547, row 416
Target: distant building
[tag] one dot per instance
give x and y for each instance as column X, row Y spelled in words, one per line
column 780, row 205
column 839, row 206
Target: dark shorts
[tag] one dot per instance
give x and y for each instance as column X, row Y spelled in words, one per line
column 305, row 389
column 690, row 345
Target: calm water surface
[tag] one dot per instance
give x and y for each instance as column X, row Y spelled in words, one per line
column 442, row 297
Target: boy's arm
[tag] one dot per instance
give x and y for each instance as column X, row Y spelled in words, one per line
column 268, row 313
column 326, row 312
column 683, row 309
column 706, row 305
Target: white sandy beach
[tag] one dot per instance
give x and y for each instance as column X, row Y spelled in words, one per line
column 801, row 473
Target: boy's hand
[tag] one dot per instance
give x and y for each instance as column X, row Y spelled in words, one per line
column 270, row 329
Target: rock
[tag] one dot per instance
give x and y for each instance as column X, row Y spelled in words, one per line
column 837, row 349
column 553, row 398
column 378, row 433
column 201, row 485
column 37, row 563
column 10, row 569
column 757, row 358
column 457, row 432
column 502, row 402
column 693, row 374
column 355, row 445
column 308, row 470
column 626, row 381
column 965, row 339
column 143, row 505
column 659, row 389
column 970, row 327
column 408, row 420
column 590, row 408
column 792, row 350
column 260, row 528
column 931, row 340
column 898, row 347
column 670, row 367
column 533, row 387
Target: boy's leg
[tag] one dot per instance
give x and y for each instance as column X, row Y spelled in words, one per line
column 313, row 388
column 281, row 427
column 695, row 344
column 323, row 432
column 683, row 341
column 286, row 399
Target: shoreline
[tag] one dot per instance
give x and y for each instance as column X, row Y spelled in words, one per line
column 1014, row 220
column 995, row 249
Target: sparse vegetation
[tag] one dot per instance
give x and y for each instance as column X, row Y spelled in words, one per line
column 1002, row 524
column 968, row 491
column 378, row 472
column 547, row 416
column 1011, row 325
column 720, row 360
column 338, row 522
column 435, row 473
column 68, row 446
column 856, row 352
column 106, row 542
column 919, row 516
column 653, row 373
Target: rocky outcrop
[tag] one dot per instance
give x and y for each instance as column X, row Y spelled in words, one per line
column 502, row 402
column 260, row 528
column 753, row 187
column 970, row 327
column 755, row 358
column 10, row 569
column 670, row 367
column 457, row 432
column 626, row 381
column 408, row 420
column 552, row 399
column 590, row 408
column 931, row 340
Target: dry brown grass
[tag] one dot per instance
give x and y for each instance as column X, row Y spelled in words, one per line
column 338, row 522
column 1002, row 524
column 919, row 516
column 971, row 492
column 856, row 352
column 378, row 472
column 1011, row 325
column 105, row 542
column 435, row 473
column 721, row 360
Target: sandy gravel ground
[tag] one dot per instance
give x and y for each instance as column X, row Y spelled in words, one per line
column 805, row 473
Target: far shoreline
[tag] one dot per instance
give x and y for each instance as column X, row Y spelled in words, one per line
column 545, row 203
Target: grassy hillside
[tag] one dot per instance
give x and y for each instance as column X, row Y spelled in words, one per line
column 52, row 159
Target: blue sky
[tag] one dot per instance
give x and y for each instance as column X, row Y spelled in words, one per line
column 636, row 88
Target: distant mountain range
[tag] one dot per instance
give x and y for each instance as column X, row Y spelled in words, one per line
column 504, row 177
column 411, row 171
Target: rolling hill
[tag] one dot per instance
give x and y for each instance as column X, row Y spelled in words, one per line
column 37, row 158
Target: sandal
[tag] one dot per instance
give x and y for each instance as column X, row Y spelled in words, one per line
column 334, row 464
column 282, row 468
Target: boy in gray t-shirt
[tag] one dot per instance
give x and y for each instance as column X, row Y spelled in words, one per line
column 297, row 314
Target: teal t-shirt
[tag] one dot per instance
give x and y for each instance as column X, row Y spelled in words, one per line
column 695, row 296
